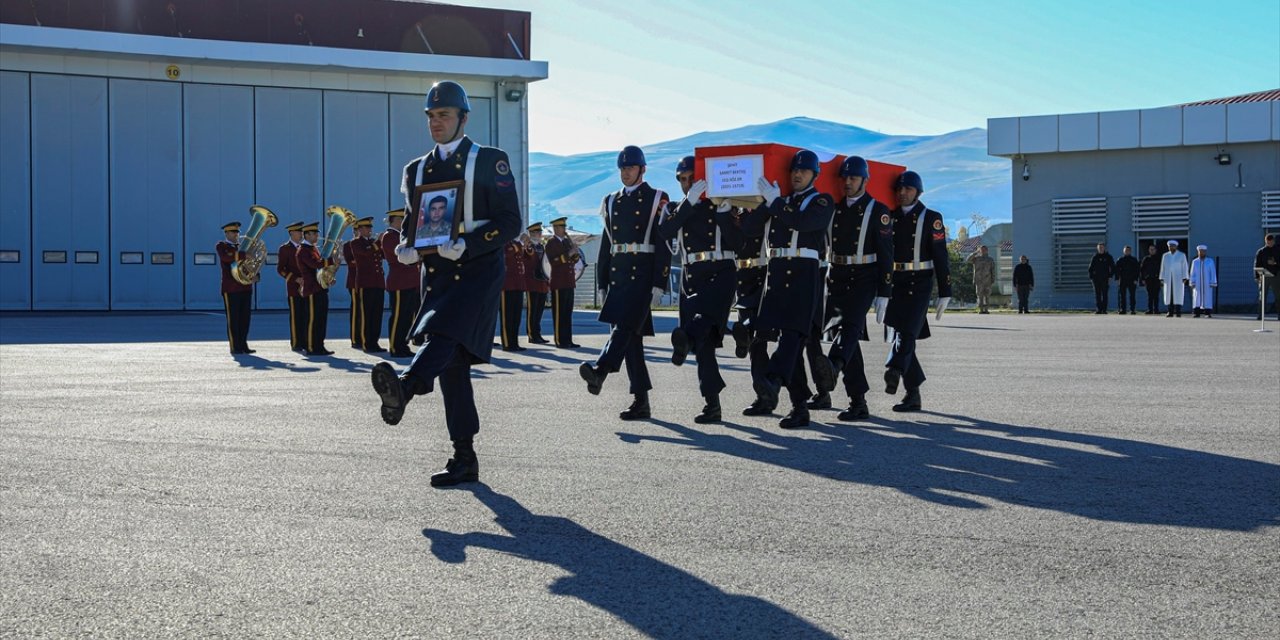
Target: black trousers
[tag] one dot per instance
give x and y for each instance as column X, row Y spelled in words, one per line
column 238, row 307
column 356, row 322
column 509, row 318
column 1153, row 295
column 703, row 337
column 371, row 301
column 443, row 359
column 1101, row 294
column 562, row 316
column 317, row 319
column 626, row 346
column 911, row 304
column 299, row 317
column 785, row 364
column 404, row 308
column 533, row 324
column 1129, row 291
column 1024, row 292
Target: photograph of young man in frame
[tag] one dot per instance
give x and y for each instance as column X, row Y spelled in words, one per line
column 436, row 215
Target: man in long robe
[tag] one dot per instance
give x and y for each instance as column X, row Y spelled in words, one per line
column 1203, row 277
column 1173, row 277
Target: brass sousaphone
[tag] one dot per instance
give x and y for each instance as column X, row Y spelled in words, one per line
column 246, row 271
column 339, row 219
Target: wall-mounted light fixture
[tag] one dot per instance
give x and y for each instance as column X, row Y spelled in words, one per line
column 514, row 95
column 1223, row 158
column 1026, row 171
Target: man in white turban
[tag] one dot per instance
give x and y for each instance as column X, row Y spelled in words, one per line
column 1173, row 277
column 1204, row 279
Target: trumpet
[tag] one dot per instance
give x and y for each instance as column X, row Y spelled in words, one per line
column 339, row 218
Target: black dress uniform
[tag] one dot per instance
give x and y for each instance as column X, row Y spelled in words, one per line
column 1127, row 272
column 707, row 239
column 237, row 298
column 633, row 261
column 1149, row 271
column 920, row 257
column 795, row 234
column 750, row 287
column 861, row 268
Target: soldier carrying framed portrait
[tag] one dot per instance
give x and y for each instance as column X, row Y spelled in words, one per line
column 435, row 218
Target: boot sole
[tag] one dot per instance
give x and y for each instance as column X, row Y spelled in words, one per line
column 593, row 386
column 387, row 386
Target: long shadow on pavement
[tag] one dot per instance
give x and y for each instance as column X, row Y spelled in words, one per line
column 956, row 465
column 658, row 599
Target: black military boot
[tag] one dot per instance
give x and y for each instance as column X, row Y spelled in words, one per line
column 741, row 340
column 824, row 377
column 910, row 402
column 767, row 389
column 679, row 346
column 1177, row 311
column 594, row 377
column 1195, row 312
column 857, row 410
column 759, row 408
column 711, row 412
column 639, row 409
column 799, row 417
column 820, row 400
column 393, row 390
column 462, row 467
column 891, row 378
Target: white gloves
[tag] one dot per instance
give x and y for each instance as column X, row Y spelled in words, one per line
column 881, row 305
column 452, row 251
column 657, row 297
column 770, row 192
column 696, row 192
column 942, row 306
column 724, row 207
column 407, row 254
column 601, row 293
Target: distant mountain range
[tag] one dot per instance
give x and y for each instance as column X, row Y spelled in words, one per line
column 959, row 177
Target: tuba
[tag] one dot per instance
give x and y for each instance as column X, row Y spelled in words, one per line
column 246, row 271
column 339, row 219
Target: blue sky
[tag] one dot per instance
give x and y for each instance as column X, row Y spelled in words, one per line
column 646, row 71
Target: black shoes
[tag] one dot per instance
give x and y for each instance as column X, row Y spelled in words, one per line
column 767, row 390
column 679, row 346
column 539, row 340
column 571, row 345
column 457, row 472
column 710, row 412
column 910, row 402
column 377, row 348
column 891, row 378
column 857, row 411
column 513, row 349
column 593, row 376
column 824, row 376
column 639, row 409
column 741, row 339
column 759, row 408
column 402, row 354
column 820, row 400
column 392, row 392
column 796, row 419
column 243, row 352
column 319, row 352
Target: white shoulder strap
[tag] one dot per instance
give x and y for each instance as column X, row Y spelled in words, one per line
column 653, row 214
column 606, row 216
column 469, row 189
column 795, row 235
column 915, row 258
column 862, row 235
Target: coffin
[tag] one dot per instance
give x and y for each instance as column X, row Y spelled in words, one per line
column 731, row 171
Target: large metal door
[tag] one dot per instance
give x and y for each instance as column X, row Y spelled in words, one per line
column 146, row 194
column 15, row 185
column 355, row 168
column 69, row 192
column 218, row 152
column 288, row 171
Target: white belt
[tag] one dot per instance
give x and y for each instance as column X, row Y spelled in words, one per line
column 911, row 266
column 845, row 260
column 708, row 256
column 811, row 254
column 749, row 263
column 632, row 247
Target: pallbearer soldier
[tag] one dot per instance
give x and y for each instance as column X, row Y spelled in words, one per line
column 750, row 287
column 795, row 234
column 402, row 285
column 513, row 291
column 352, row 291
column 563, row 256
column 632, row 272
column 860, row 275
column 461, row 282
column 314, row 296
column 920, row 256
column 538, row 283
column 287, row 267
column 237, row 299
column 707, row 237
column 371, row 280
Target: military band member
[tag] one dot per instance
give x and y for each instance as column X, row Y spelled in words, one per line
column 401, row 285
column 514, row 284
column 353, row 294
column 461, row 281
column 563, row 256
column 287, row 267
column 707, row 236
column 632, row 271
column 920, row 257
column 314, row 296
column 237, row 299
column 795, row 234
column 860, row 276
column 370, row 294
column 538, row 283
column 750, row 287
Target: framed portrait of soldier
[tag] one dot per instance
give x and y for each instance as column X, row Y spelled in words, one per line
column 435, row 214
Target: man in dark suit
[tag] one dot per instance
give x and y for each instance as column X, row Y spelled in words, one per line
column 563, row 255
column 287, row 267
column 237, row 297
column 1149, row 272
column 1127, row 272
column 1102, row 267
column 1024, row 280
column 461, row 280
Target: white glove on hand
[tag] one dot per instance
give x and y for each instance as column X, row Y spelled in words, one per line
column 452, row 251
column 407, row 254
column 696, row 192
column 770, row 192
column 881, row 305
column 724, row 207
column 942, row 306
column 657, row 297
column 601, row 293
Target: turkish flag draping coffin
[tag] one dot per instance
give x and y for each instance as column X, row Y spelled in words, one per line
column 731, row 172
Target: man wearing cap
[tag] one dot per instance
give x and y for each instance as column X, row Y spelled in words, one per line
column 287, row 267
column 401, row 285
column 1101, row 269
column 237, row 298
column 984, row 277
column 920, row 257
column 1127, row 272
column 461, row 280
column 1173, row 276
column 632, row 271
column 706, row 236
column 314, row 296
column 563, row 256
column 794, row 229
column 537, row 281
column 514, row 285
column 1203, row 278
column 1268, row 260
column 1149, row 271
column 353, row 294
column 371, row 280
column 860, row 276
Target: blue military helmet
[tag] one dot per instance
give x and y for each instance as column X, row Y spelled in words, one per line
column 447, row 94
column 909, row 179
column 685, row 165
column 855, row 166
column 630, row 156
column 806, row 159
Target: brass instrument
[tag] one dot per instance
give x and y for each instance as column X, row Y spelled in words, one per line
column 339, row 219
column 246, row 271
